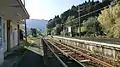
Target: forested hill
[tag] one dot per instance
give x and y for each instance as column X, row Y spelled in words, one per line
column 58, row 24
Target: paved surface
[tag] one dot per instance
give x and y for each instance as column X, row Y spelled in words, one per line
column 10, row 60
column 31, row 59
column 37, row 47
column 11, row 57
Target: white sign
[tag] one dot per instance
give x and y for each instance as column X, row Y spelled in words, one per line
column 69, row 29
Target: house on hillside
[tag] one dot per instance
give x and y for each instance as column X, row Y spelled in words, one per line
column 12, row 15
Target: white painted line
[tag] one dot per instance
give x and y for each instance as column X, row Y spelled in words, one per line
column 35, row 50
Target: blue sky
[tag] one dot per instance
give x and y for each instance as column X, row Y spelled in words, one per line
column 47, row 9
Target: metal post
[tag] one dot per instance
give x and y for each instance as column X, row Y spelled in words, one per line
column 25, row 31
column 25, row 27
column 18, row 34
column 8, row 35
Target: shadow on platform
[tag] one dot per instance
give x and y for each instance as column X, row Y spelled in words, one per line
column 31, row 59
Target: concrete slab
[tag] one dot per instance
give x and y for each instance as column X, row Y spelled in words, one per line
column 36, row 50
column 31, row 59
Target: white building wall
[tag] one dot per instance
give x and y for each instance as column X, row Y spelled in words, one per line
column 13, row 39
column 5, row 36
column 13, row 35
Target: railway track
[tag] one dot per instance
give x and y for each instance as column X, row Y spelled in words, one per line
column 79, row 55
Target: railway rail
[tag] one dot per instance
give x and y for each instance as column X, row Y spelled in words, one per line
column 80, row 55
column 99, row 56
column 62, row 59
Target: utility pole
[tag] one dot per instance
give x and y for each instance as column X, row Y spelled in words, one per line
column 25, row 31
column 79, row 21
column 25, row 27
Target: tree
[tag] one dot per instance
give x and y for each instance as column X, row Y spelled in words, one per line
column 65, row 19
column 51, row 24
column 34, row 32
column 114, row 2
column 110, row 20
column 39, row 32
column 58, row 29
column 48, row 31
column 57, row 19
column 69, row 21
column 69, row 12
column 91, row 26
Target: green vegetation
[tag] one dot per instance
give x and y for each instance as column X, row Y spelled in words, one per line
column 110, row 20
column 34, row 32
column 33, row 35
column 32, row 39
column 59, row 24
column 91, row 26
column 100, row 23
